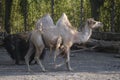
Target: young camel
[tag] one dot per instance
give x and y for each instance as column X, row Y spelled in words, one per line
column 45, row 34
column 71, row 36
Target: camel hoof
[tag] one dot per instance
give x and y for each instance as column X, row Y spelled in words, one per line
column 55, row 67
column 70, row 69
column 44, row 70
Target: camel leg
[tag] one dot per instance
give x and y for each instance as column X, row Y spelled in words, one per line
column 27, row 57
column 37, row 55
column 68, row 60
column 59, row 65
column 58, row 44
column 55, row 56
column 50, row 51
column 57, row 51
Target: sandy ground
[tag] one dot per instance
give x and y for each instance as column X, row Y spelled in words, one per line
column 87, row 65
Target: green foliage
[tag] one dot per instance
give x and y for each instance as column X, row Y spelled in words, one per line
column 16, row 17
column 87, row 9
column 38, row 8
column 2, row 11
column 117, row 16
column 105, row 16
column 71, row 8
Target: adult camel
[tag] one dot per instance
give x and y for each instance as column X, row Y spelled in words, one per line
column 62, row 34
column 71, row 35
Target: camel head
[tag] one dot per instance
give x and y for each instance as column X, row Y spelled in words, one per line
column 94, row 24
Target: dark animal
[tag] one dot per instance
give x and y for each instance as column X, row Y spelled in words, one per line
column 17, row 48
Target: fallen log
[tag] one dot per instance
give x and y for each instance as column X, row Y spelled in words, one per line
column 107, row 36
column 98, row 45
column 83, row 49
column 104, row 46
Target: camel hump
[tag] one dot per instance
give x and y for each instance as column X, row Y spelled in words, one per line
column 46, row 21
column 64, row 21
column 65, row 17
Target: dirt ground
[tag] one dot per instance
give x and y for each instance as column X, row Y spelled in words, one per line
column 87, row 65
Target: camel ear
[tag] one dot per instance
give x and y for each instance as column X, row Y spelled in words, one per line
column 89, row 21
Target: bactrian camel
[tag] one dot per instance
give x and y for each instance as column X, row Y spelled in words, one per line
column 45, row 34
column 65, row 30
column 71, row 36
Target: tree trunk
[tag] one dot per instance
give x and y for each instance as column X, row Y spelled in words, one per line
column 112, row 15
column 8, row 5
column 0, row 15
column 52, row 8
column 24, row 12
column 0, row 8
column 95, row 8
column 81, row 12
column 105, row 46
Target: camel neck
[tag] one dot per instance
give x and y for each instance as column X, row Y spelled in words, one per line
column 84, row 35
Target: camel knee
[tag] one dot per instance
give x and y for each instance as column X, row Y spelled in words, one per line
column 29, row 53
column 36, row 58
column 26, row 58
